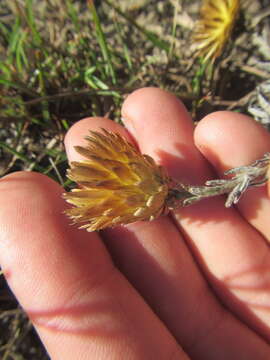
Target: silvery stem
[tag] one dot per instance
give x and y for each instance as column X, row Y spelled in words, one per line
column 243, row 178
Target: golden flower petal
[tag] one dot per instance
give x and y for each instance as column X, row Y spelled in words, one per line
column 117, row 184
column 214, row 27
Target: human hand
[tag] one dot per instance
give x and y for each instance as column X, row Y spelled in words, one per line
column 195, row 285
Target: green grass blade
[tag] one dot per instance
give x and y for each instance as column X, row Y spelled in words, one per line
column 21, row 156
column 163, row 45
column 4, row 31
column 73, row 15
column 21, row 58
column 107, row 56
column 126, row 50
column 31, row 23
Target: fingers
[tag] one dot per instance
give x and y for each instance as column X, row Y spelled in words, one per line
column 228, row 249
column 218, row 136
column 224, row 133
column 156, row 260
column 64, row 278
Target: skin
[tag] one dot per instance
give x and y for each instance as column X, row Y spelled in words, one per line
column 191, row 285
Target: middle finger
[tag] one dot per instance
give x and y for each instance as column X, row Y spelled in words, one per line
column 221, row 240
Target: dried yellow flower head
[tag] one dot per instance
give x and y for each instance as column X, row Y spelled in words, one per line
column 117, row 184
column 214, row 27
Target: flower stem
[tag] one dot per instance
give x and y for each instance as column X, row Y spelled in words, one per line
column 243, row 178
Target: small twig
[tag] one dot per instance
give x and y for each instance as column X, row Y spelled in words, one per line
column 254, row 71
column 243, row 178
column 56, row 171
column 242, row 101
